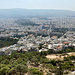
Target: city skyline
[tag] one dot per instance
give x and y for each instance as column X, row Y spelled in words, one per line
column 38, row 4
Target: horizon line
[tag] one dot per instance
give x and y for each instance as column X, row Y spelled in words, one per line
column 36, row 9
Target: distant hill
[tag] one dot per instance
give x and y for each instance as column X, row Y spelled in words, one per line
column 16, row 13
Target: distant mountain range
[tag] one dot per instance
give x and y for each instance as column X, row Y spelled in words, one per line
column 21, row 13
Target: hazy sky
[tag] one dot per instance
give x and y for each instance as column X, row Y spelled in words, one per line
column 38, row 4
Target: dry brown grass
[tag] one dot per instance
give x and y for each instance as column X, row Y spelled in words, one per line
column 59, row 56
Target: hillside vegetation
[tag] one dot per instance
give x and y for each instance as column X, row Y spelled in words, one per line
column 35, row 63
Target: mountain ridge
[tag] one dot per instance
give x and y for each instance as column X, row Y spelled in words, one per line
column 18, row 12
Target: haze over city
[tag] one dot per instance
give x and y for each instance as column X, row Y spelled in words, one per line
column 37, row 37
column 38, row 4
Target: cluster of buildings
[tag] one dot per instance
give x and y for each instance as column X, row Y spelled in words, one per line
column 58, row 22
column 11, row 27
column 31, row 37
column 38, row 43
